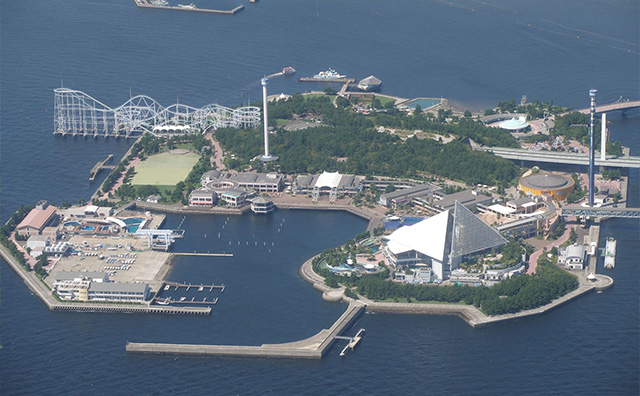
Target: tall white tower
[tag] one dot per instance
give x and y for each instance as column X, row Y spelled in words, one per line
column 592, row 149
column 266, row 157
column 603, row 138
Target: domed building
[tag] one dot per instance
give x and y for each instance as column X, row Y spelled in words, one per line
column 558, row 186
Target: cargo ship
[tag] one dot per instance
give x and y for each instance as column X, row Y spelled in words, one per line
column 610, row 253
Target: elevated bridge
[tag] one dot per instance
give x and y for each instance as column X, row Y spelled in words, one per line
column 561, row 157
column 629, row 213
column 619, row 105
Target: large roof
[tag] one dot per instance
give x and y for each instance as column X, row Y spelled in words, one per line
column 514, row 124
column 546, row 181
column 37, row 218
column 428, row 237
column 471, row 235
column 371, row 80
column 331, row 180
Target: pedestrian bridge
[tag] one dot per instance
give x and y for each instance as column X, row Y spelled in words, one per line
column 562, row 157
column 578, row 211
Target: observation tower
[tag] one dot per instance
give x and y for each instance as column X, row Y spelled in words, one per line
column 267, row 157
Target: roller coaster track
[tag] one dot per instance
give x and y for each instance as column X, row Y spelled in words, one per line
column 76, row 113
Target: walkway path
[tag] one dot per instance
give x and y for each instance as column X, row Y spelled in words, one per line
column 118, row 182
column 217, row 151
column 533, row 259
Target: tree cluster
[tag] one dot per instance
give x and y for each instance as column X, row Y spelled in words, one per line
column 368, row 152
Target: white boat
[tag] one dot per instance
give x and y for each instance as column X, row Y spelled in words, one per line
column 610, row 253
column 329, row 74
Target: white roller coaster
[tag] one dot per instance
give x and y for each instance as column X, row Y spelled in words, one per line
column 76, row 113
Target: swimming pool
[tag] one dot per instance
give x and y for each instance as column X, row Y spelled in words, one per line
column 133, row 220
column 133, row 223
column 424, row 103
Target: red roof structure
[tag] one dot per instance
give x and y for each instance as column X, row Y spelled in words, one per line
column 37, row 218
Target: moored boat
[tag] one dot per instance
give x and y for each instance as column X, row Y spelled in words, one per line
column 287, row 71
column 329, row 74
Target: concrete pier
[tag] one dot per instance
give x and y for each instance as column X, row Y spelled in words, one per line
column 100, row 166
column 314, row 347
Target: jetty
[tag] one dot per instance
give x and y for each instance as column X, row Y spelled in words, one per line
column 149, row 4
column 100, row 165
column 315, row 347
column 188, row 286
column 205, row 254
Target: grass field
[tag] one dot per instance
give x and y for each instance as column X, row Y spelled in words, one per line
column 164, row 169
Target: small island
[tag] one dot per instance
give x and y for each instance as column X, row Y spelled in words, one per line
column 453, row 228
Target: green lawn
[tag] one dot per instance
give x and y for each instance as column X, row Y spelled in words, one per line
column 164, row 169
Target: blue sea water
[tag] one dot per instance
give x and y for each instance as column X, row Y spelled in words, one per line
column 473, row 53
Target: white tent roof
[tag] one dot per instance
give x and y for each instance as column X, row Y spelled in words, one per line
column 427, row 237
column 514, row 124
column 331, row 180
column 91, row 209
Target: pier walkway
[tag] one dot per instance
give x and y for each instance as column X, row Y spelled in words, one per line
column 100, row 166
column 314, row 347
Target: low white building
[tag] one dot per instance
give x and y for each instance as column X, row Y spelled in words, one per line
column 574, row 256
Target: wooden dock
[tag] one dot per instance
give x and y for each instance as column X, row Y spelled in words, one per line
column 147, row 4
column 100, row 166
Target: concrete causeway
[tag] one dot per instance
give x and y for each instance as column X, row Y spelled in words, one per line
column 314, row 347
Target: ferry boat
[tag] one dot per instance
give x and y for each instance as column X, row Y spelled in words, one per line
column 610, row 253
column 287, row 71
column 329, row 74
column 189, row 6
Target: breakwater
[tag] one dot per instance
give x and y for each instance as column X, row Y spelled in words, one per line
column 147, row 4
column 314, row 347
